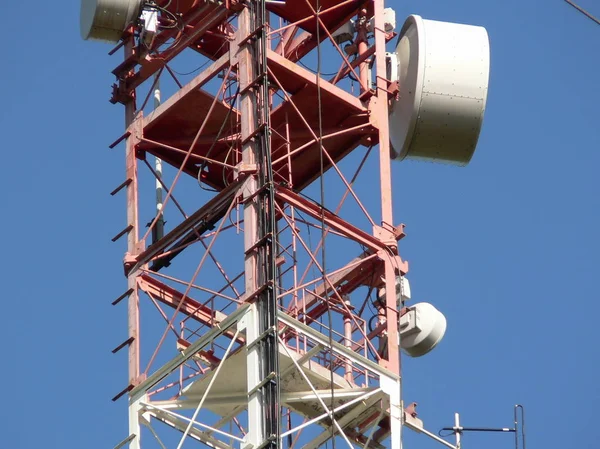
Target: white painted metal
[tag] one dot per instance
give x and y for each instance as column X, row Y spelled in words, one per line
column 443, row 75
column 187, row 353
column 147, row 423
column 403, row 293
column 393, row 388
column 134, row 423
column 344, row 33
column 236, row 399
column 389, row 20
column 307, row 380
column 149, row 20
column 347, row 421
column 433, row 436
column 339, row 349
column 201, row 403
column 391, row 61
column 252, row 377
column 191, row 422
column 105, row 20
column 227, row 390
column 336, row 410
column 180, row 423
column 457, row 426
column 421, row 329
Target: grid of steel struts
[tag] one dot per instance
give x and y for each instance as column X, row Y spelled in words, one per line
column 257, row 319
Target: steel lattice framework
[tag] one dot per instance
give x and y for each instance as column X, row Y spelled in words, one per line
column 270, row 335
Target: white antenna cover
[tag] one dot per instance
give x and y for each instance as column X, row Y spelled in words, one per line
column 105, row 20
column 421, row 329
column 443, row 76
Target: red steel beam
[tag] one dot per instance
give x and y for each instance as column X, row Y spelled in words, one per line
column 188, row 306
column 207, row 16
column 188, row 89
column 331, row 220
column 295, row 75
column 208, row 214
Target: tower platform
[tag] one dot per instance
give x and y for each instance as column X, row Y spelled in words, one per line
column 360, row 407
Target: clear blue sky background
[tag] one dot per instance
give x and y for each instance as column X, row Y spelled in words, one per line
column 507, row 248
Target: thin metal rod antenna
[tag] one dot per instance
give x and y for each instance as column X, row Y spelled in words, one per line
column 158, row 231
column 519, row 429
column 457, row 432
column 481, row 429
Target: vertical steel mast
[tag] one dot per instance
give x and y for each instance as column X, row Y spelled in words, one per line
column 253, row 340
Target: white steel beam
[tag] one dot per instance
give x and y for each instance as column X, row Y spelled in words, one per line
column 335, row 410
column 307, row 380
column 337, row 347
column 187, row 354
column 242, row 399
column 192, row 422
column 343, row 421
column 180, row 424
column 429, row 434
column 225, row 419
column 304, row 358
column 210, row 384
column 255, row 406
column 392, row 389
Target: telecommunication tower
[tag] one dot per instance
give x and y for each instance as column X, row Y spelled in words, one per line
column 283, row 314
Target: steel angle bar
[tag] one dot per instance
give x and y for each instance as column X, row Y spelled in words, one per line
column 174, row 149
column 583, row 11
column 324, row 137
column 314, row 136
column 311, row 17
column 159, row 441
column 307, row 380
column 209, row 20
column 366, row 445
column 241, row 399
column 304, row 358
column 179, row 424
column 231, row 415
column 317, row 212
column 189, row 421
column 125, row 441
column 337, row 347
column 191, row 401
column 345, row 421
column 335, row 275
column 335, row 410
column 304, row 396
column 187, row 156
column 210, row 212
column 188, row 89
column 339, row 207
column 188, row 353
column 429, row 434
column 335, row 44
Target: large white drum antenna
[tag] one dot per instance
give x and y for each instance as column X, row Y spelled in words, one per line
column 442, row 71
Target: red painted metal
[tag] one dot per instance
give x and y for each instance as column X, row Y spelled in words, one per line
column 202, row 131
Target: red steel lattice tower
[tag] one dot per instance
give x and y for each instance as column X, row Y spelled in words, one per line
column 267, row 335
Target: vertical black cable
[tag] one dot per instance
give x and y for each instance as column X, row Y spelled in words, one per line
column 267, row 301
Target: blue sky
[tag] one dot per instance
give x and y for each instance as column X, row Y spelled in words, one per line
column 506, row 247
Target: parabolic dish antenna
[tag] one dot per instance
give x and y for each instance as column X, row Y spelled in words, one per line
column 106, row 20
column 427, row 329
column 442, row 71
